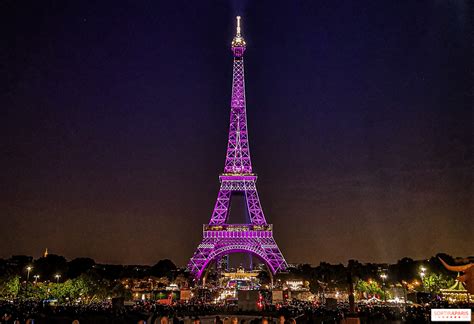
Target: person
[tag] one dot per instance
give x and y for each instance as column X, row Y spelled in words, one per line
column 281, row 319
column 75, row 322
column 234, row 320
column 218, row 320
column 196, row 320
column 264, row 320
column 164, row 320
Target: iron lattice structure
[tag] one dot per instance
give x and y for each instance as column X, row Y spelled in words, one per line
column 256, row 237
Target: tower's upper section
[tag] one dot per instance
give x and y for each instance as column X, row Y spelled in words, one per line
column 238, row 43
column 238, row 153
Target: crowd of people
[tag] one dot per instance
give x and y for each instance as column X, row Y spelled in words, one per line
column 307, row 312
column 38, row 312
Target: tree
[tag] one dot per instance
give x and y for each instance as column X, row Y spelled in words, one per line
column 47, row 267
column 314, row 286
column 405, row 269
column 92, row 287
column 164, row 268
column 304, row 271
column 370, row 288
column 436, row 266
column 362, row 287
column 434, row 282
column 10, row 286
column 79, row 266
column 264, row 277
column 119, row 290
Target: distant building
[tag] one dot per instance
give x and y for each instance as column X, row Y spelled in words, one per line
column 19, row 261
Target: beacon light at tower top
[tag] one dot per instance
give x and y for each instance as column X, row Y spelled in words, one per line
column 238, row 40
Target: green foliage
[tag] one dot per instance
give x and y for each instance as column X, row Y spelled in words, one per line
column 370, row 288
column 86, row 288
column 433, row 282
column 10, row 286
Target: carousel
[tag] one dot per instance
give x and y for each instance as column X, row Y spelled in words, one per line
column 456, row 294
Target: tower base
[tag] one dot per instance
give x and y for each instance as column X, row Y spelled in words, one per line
column 225, row 239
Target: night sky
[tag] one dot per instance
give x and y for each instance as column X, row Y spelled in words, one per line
column 114, row 120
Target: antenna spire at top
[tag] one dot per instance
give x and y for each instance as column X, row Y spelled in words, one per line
column 238, row 26
column 238, row 43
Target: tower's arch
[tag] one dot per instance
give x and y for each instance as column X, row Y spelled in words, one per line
column 236, row 248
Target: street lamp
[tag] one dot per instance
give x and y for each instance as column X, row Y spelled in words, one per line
column 36, row 278
column 384, row 276
column 422, row 272
column 28, row 268
column 57, row 276
column 422, row 275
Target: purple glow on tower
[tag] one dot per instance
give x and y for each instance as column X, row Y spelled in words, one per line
column 238, row 152
column 219, row 238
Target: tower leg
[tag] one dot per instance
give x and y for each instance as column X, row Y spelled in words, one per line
column 253, row 206
column 221, row 209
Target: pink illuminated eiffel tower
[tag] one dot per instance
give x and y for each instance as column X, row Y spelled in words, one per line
column 256, row 237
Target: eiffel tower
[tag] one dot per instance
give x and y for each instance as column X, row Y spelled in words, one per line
column 255, row 237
